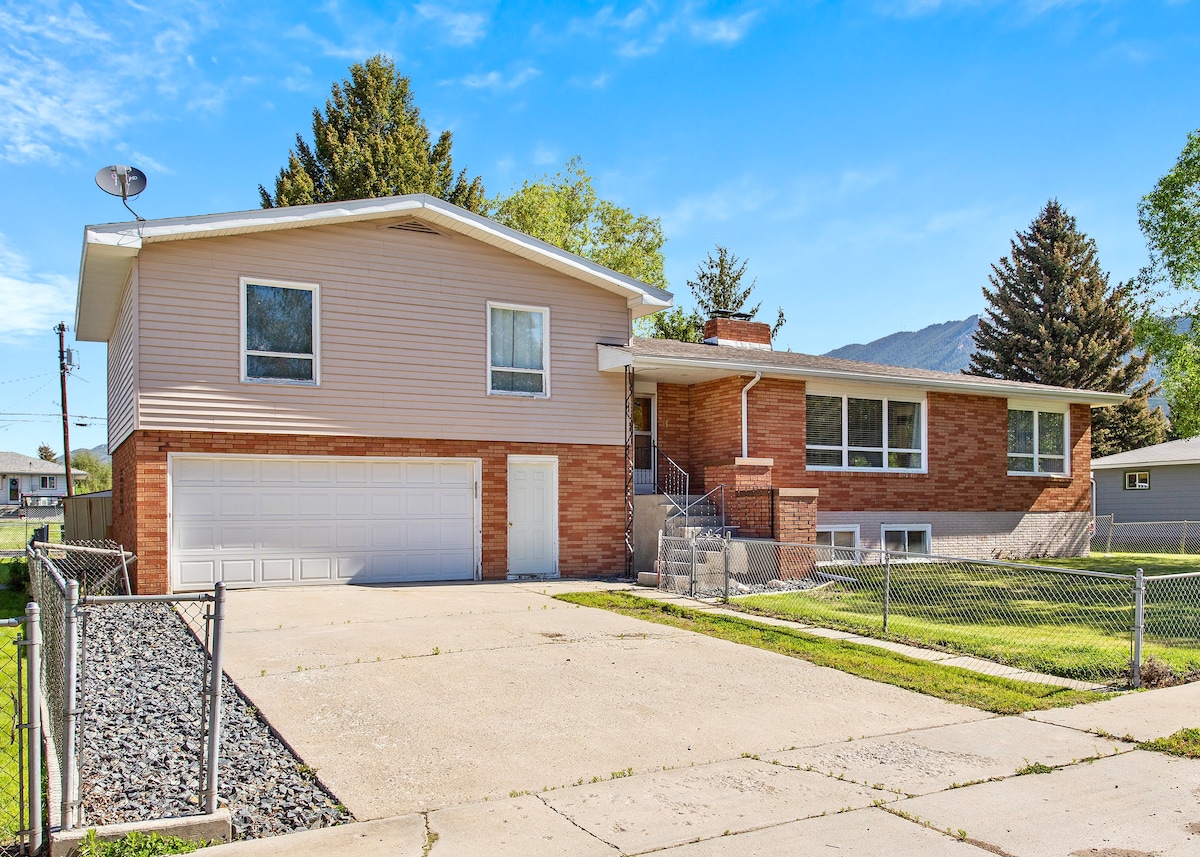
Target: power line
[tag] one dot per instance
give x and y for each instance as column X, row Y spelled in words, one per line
column 74, row 416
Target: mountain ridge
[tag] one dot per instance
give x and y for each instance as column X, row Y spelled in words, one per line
column 944, row 347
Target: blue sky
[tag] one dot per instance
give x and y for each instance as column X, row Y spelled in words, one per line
column 870, row 159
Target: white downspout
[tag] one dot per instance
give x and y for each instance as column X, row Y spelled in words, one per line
column 745, row 433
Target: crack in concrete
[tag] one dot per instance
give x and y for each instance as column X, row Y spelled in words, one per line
column 431, row 837
column 576, row 825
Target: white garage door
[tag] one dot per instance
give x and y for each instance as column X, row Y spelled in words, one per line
column 280, row 520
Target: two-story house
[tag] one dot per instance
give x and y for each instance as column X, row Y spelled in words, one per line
column 398, row 390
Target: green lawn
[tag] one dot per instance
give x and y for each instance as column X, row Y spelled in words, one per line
column 1037, row 620
column 989, row 693
column 12, row 603
column 15, row 535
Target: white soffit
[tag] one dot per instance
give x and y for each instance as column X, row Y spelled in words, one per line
column 109, row 249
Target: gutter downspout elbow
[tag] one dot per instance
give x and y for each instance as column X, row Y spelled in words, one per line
column 745, row 432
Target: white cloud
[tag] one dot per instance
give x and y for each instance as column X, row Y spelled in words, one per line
column 498, row 82
column 644, row 29
column 543, row 154
column 728, row 30
column 36, row 302
column 719, row 205
column 69, row 79
column 920, row 8
column 460, row 28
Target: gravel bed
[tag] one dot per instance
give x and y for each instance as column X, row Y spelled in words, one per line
column 140, row 734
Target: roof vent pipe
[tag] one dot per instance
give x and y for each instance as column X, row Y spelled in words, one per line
column 745, row 433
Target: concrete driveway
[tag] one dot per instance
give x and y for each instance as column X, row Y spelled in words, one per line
column 416, row 698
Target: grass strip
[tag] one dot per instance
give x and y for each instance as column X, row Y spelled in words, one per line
column 953, row 684
column 1185, row 742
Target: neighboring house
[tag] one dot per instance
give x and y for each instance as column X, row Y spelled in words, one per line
column 397, row 390
column 373, row 391
column 1154, row 483
column 879, row 456
column 29, row 481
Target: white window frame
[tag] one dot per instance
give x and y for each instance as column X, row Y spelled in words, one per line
column 1139, row 484
column 842, row 528
column 49, row 483
column 315, row 288
column 928, row 528
column 545, row 370
column 844, row 449
column 1038, row 409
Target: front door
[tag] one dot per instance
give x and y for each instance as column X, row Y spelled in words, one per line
column 643, row 445
column 532, row 515
column 14, row 491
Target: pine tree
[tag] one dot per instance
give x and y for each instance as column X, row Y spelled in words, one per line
column 371, row 141
column 46, row 452
column 1053, row 319
column 718, row 287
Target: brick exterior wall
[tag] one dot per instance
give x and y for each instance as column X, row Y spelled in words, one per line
column 748, row 497
column 795, row 523
column 967, row 451
column 732, row 330
column 591, row 492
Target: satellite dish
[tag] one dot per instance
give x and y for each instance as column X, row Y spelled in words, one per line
column 120, row 180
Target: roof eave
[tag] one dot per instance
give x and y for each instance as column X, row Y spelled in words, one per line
column 1125, row 465
column 1015, row 389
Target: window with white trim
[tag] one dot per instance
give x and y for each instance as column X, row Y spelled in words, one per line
column 49, row 482
column 280, row 331
column 856, row 433
column 518, row 350
column 1137, row 480
column 845, row 538
column 1037, row 442
column 907, row 538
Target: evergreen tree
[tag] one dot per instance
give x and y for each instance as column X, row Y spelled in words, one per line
column 371, row 141
column 1052, row 319
column 565, row 210
column 718, row 287
column 45, row 452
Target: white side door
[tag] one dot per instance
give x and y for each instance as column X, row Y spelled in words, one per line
column 532, row 515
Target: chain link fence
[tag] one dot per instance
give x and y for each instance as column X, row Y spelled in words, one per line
column 17, row 529
column 1001, row 618
column 1171, row 537
column 20, row 737
column 121, row 736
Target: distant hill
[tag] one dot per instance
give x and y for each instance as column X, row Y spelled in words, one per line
column 945, row 347
column 101, row 452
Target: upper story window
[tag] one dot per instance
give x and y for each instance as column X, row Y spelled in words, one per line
column 280, row 331
column 518, row 350
column 1137, row 480
column 1037, row 442
column 49, row 482
column 851, row 432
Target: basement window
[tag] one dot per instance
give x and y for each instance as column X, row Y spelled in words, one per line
column 907, row 538
column 280, row 331
column 842, row 541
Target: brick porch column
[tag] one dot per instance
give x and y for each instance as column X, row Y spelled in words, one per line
column 795, row 523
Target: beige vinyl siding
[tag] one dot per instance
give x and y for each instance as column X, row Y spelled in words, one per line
column 122, row 368
column 402, row 345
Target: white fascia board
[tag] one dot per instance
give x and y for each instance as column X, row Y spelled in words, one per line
column 612, row 358
column 640, row 297
column 1138, row 465
column 1056, row 394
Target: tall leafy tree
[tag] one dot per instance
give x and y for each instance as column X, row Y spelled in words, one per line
column 1052, row 318
column 99, row 473
column 718, row 287
column 371, row 141
column 675, row 323
column 1170, row 324
column 565, row 210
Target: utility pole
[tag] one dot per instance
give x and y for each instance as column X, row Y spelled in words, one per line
column 62, row 370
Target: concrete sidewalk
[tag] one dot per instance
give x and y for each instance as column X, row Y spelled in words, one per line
column 734, row 751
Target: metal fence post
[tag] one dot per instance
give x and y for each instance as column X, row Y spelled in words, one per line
column 70, row 647
column 1110, row 529
column 887, row 589
column 726, row 567
column 214, row 701
column 1139, row 627
column 1183, row 538
column 33, row 722
column 692, row 574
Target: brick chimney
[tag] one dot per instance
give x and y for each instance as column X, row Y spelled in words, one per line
column 738, row 331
